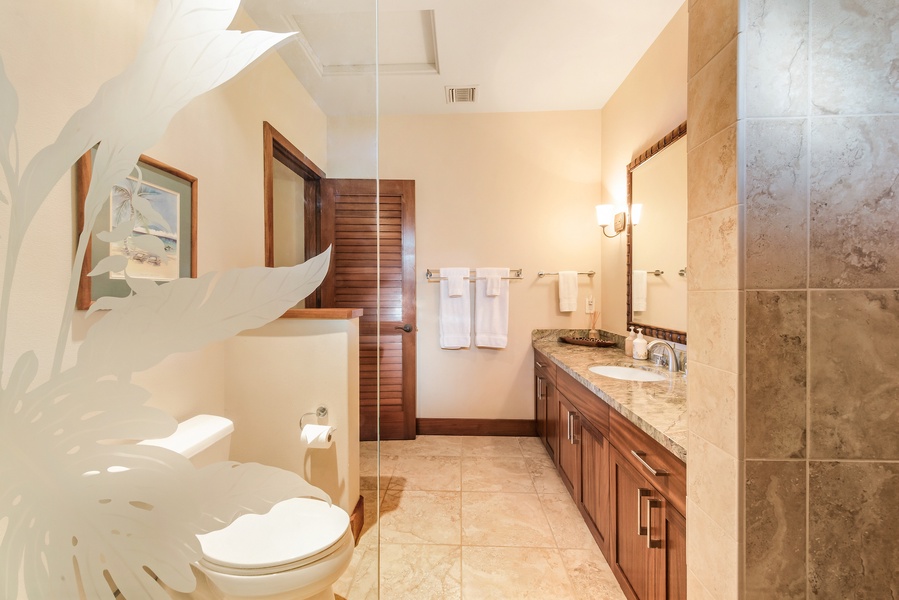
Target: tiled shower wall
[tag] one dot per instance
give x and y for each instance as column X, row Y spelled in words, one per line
column 821, row 272
column 806, row 400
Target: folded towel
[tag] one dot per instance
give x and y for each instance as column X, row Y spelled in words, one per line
column 455, row 281
column 567, row 291
column 455, row 311
column 638, row 294
column 491, row 312
column 494, row 281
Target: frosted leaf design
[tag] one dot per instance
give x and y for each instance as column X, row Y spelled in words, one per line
column 83, row 509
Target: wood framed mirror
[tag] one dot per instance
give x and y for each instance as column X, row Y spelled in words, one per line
column 657, row 245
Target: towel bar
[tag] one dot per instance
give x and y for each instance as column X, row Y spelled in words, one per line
column 587, row 273
column 432, row 275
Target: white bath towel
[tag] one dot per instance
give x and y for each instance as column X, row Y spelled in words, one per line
column 638, row 294
column 455, row 311
column 567, row 291
column 491, row 312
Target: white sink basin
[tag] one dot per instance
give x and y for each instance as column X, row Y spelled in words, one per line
column 627, row 373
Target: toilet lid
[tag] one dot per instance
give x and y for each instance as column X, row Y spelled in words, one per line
column 293, row 530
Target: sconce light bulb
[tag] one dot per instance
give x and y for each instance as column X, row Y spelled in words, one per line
column 636, row 213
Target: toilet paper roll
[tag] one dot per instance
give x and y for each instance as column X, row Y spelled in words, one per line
column 317, row 436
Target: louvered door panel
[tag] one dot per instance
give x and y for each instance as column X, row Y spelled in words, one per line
column 353, row 216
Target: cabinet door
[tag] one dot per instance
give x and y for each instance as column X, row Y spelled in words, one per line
column 540, row 406
column 594, row 498
column 552, row 421
column 675, row 576
column 569, row 446
column 628, row 544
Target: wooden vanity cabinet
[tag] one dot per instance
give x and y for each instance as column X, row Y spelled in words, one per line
column 547, row 404
column 607, row 464
column 648, row 529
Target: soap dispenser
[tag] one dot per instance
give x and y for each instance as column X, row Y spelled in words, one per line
column 629, row 343
column 640, row 346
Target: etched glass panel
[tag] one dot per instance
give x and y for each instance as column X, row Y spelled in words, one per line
column 84, row 510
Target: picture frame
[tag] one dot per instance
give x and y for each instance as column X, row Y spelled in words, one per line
column 168, row 193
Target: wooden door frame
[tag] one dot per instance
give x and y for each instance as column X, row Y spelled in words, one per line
column 277, row 147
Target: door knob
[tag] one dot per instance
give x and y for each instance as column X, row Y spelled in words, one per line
column 407, row 328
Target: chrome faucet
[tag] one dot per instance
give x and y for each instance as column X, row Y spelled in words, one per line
column 669, row 358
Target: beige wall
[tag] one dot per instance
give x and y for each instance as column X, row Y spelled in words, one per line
column 650, row 103
column 56, row 59
column 509, row 190
column 278, row 373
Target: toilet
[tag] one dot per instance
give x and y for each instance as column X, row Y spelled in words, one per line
column 295, row 551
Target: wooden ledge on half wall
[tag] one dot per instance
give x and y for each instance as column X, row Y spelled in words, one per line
column 322, row 313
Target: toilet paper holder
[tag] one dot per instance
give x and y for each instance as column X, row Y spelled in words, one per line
column 320, row 412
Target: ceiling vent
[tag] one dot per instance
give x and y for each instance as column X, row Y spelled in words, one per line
column 461, row 94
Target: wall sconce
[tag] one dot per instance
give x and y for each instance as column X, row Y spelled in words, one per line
column 609, row 214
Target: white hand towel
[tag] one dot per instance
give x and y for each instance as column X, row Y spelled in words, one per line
column 567, row 291
column 455, row 281
column 494, row 282
column 455, row 311
column 491, row 312
column 638, row 297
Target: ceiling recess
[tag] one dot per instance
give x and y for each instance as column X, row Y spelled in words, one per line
column 456, row 95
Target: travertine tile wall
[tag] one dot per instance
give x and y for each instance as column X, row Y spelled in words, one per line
column 810, row 410
column 715, row 301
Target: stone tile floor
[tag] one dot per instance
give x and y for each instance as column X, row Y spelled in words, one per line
column 473, row 518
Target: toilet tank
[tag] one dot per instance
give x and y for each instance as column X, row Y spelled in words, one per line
column 204, row 439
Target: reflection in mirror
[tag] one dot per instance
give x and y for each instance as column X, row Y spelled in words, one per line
column 657, row 247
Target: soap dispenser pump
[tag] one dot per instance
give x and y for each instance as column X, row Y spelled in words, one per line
column 629, row 343
column 640, row 344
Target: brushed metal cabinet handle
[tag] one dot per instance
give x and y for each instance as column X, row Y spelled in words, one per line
column 639, row 456
column 641, row 492
column 576, row 418
column 538, row 363
column 650, row 504
column 569, row 427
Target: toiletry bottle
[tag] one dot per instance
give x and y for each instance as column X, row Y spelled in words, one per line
column 629, row 343
column 640, row 346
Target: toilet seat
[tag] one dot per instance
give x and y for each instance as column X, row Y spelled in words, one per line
column 293, row 534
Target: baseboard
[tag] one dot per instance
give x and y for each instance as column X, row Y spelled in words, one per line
column 510, row 427
column 357, row 519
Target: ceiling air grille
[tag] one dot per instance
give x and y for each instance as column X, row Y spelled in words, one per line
column 461, row 94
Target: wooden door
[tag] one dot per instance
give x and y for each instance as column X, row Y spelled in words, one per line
column 569, row 454
column 359, row 216
column 594, row 498
column 630, row 555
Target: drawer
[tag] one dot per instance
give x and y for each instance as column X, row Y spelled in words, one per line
column 589, row 405
column 544, row 367
column 646, row 455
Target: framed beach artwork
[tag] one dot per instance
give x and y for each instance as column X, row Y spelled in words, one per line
column 155, row 212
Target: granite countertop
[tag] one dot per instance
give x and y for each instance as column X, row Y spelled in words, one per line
column 658, row 408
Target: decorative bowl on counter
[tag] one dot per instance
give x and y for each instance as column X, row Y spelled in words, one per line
column 583, row 341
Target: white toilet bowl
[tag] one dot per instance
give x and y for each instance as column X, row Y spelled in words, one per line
column 296, row 551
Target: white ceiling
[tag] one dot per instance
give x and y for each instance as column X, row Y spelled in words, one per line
column 523, row 55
